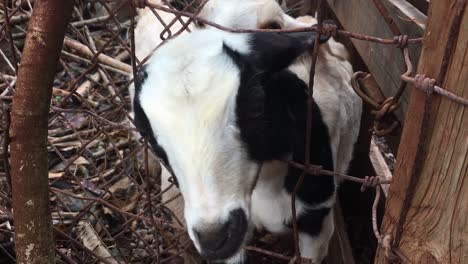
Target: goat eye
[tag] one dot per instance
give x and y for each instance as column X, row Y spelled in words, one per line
column 272, row 25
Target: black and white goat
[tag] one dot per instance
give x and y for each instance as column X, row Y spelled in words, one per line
column 221, row 108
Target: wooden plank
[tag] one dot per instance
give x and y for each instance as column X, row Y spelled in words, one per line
column 380, row 166
column 436, row 226
column 340, row 251
column 383, row 61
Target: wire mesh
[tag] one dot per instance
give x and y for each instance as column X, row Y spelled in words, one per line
column 105, row 198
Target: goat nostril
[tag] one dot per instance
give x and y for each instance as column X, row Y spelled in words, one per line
column 214, row 238
column 222, row 241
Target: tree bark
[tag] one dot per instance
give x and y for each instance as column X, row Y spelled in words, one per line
column 436, row 226
column 29, row 118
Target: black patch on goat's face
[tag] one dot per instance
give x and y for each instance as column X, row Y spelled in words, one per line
column 220, row 104
column 141, row 120
column 272, row 113
column 271, row 101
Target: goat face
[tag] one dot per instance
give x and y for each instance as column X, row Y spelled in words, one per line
column 204, row 107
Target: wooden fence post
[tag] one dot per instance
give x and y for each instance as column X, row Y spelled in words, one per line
column 29, row 119
column 436, row 226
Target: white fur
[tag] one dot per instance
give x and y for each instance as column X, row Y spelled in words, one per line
column 199, row 135
column 271, row 203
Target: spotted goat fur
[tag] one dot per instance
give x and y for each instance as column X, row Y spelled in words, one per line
column 221, row 109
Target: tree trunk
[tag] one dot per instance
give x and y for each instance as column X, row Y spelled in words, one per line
column 436, row 226
column 29, row 168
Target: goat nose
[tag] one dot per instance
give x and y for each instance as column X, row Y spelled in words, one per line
column 221, row 241
column 213, row 238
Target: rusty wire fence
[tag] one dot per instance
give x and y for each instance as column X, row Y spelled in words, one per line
column 106, row 206
column 104, row 194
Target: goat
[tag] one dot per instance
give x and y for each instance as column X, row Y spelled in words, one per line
column 245, row 92
column 248, row 14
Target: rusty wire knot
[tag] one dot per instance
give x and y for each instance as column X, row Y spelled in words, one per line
column 388, row 106
column 428, row 85
column 370, row 181
column 314, row 170
column 401, row 41
column 424, row 83
column 329, row 29
column 383, row 110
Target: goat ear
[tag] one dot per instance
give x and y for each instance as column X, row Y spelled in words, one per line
column 275, row 51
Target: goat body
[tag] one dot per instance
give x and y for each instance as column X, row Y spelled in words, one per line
column 220, row 133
